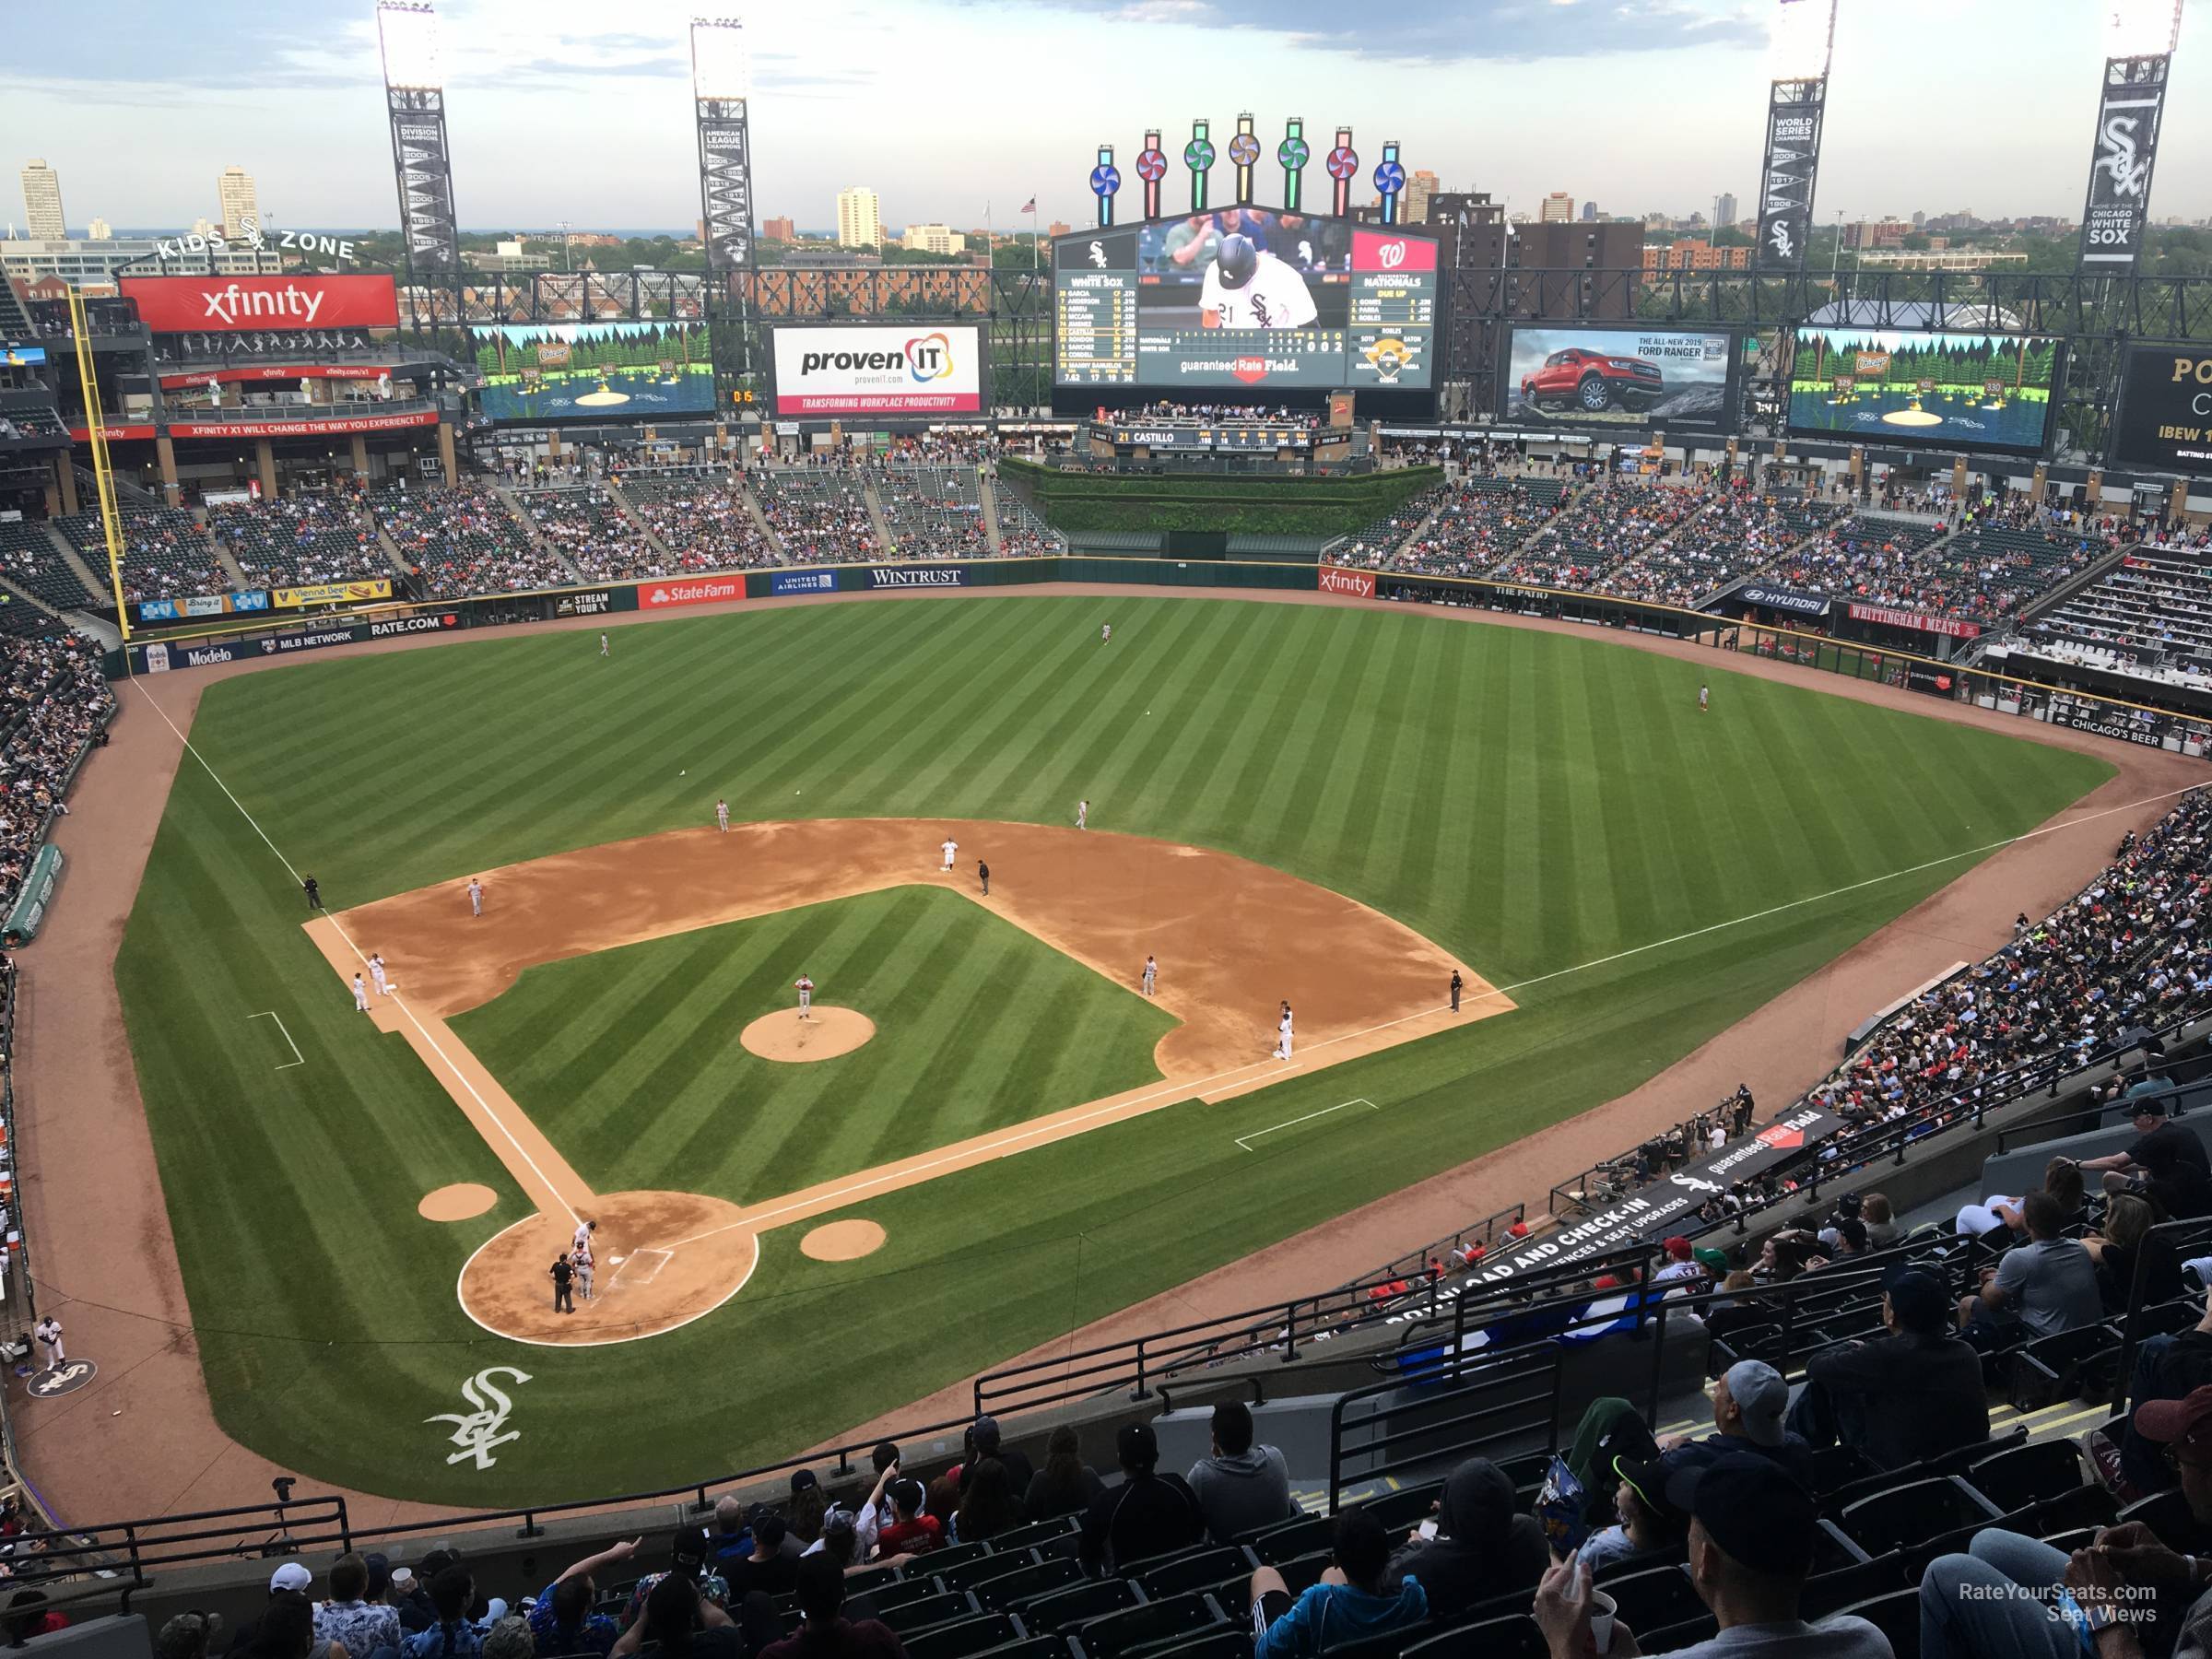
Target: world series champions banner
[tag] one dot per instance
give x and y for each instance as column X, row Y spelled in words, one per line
column 2118, row 209
column 1785, row 196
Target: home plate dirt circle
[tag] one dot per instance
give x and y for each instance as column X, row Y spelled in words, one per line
column 843, row 1241
column 663, row 1260
column 823, row 1035
column 463, row 1201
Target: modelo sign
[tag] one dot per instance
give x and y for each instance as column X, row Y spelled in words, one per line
column 195, row 304
column 878, row 371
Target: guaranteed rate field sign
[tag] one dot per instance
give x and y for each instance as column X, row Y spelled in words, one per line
column 594, row 372
column 1941, row 391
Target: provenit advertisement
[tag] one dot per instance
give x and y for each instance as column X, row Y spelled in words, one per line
column 926, row 370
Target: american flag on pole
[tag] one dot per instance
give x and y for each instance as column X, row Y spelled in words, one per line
column 1030, row 205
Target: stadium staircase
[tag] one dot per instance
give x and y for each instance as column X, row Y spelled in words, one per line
column 516, row 511
column 877, row 521
column 393, row 556
column 752, row 505
column 645, row 529
column 991, row 536
column 223, row 555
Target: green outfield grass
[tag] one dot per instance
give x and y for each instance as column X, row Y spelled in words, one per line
column 1535, row 802
column 1012, row 1030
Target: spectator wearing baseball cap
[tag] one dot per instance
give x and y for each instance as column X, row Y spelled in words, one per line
column 290, row 1577
column 1148, row 1514
column 1748, row 1405
column 987, row 1441
column 2001, row 1600
column 1682, row 1265
column 1647, row 1523
column 1913, row 1393
column 1752, row 1530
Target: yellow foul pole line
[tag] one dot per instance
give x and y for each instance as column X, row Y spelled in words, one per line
column 103, row 478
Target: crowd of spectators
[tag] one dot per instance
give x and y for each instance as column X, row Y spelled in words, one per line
column 30, row 561
column 1737, row 536
column 587, row 525
column 54, row 704
column 463, row 540
column 1480, row 524
column 818, row 512
column 703, row 520
column 282, row 541
column 932, row 511
column 2150, row 615
column 166, row 554
column 1602, row 530
column 1021, row 533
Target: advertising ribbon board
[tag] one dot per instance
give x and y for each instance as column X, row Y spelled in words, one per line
column 1891, row 617
column 899, row 576
column 334, row 593
column 1796, row 601
column 780, row 582
column 202, row 605
column 1347, row 584
column 709, row 590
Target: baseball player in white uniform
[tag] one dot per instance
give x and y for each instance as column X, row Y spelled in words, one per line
column 1105, row 633
column 722, row 817
column 1282, row 1035
column 602, row 644
column 582, row 1241
column 950, row 849
column 804, row 987
column 49, row 1334
column 376, row 973
column 581, row 1259
column 1151, row 974
column 360, row 994
column 1082, row 813
column 475, row 896
column 1248, row 288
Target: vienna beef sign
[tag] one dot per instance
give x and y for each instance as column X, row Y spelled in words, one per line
column 1346, row 583
column 170, row 305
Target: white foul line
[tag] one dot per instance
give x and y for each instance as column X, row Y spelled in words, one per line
column 1245, row 1140
column 297, row 1059
column 519, row 1150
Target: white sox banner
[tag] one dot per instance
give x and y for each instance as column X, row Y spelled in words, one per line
column 2127, row 144
column 1785, row 193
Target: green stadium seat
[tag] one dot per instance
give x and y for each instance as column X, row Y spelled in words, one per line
column 965, row 1637
column 1066, row 1609
column 1154, row 1622
column 1514, row 1638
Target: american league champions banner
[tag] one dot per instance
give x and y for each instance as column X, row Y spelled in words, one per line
column 1785, row 192
column 2127, row 144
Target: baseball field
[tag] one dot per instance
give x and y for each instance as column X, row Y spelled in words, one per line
column 990, row 1137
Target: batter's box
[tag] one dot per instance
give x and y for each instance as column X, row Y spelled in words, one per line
column 639, row 1268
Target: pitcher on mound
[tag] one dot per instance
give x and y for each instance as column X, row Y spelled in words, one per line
column 804, row 987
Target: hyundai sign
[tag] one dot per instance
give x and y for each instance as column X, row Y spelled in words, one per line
column 926, row 368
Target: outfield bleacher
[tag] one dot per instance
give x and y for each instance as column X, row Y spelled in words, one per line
column 704, row 521
column 166, row 554
column 286, row 540
column 2151, row 613
column 931, row 512
column 820, row 514
column 30, row 561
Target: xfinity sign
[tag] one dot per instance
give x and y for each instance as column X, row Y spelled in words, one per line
column 923, row 368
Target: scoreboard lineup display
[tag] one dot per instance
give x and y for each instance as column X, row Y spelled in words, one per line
column 1244, row 298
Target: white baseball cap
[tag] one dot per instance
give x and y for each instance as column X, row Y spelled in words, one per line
column 290, row 1576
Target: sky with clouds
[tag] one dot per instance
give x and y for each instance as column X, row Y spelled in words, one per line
column 580, row 110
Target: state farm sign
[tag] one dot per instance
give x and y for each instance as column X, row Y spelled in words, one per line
column 659, row 596
column 194, row 304
column 1348, row 584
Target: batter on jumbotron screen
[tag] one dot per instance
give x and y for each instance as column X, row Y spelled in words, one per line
column 1248, row 288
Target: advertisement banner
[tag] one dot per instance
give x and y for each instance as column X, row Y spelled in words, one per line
column 22, row 356
column 707, row 590
column 1616, row 378
column 780, row 582
column 202, row 604
column 725, row 185
column 1891, row 617
column 1939, row 391
column 2165, row 422
column 598, row 602
column 1785, row 196
column 426, row 178
column 427, row 622
column 600, row 372
column 1798, row 602
column 185, row 424
column 907, row 576
column 194, row 304
column 881, row 370
column 29, row 910
column 1931, row 678
column 2124, row 722
column 275, row 372
column 1348, row 583
column 334, row 593
column 2120, row 167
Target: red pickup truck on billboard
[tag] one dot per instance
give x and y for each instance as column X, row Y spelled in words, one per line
column 1593, row 382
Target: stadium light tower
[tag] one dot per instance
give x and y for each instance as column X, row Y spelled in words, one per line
column 415, row 102
column 2139, row 41
column 1802, row 33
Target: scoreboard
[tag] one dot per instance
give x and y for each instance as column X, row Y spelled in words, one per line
column 1299, row 301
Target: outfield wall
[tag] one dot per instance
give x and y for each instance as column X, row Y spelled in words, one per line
column 2009, row 694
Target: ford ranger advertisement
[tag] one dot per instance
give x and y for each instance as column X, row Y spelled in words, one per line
column 1628, row 378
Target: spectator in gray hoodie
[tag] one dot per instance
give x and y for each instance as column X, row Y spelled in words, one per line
column 1242, row 1486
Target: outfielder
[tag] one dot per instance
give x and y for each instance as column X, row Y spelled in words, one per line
column 475, row 896
column 602, row 644
column 360, row 994
column 1105, row 633
column 949, row 849
column 804, row 987
column 1151, row 974
column 722, row 817
column 376, row 973
column 1082, row 813
column 1704, row 696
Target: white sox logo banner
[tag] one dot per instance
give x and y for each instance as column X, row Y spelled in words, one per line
column 2127, row 145
column 1785, row 196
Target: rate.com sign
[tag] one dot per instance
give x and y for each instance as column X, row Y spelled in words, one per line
column 191, row 304
column 923, row 370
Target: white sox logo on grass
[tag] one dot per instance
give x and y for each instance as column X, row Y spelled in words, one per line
column 477, row 1430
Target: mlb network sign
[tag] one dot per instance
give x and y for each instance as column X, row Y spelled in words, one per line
column 878, row 371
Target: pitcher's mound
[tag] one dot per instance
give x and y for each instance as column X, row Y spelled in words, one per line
column 463, row 1201
column 823, row 1035
column 843, row 1241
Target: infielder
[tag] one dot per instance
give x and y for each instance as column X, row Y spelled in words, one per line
column 1082, row 813
column 1282, row 1035
column 949, row 849
column 1151, row 974
column 49, row 1334
column 722, row 817
column 804, row 987
column 376, row 973
column 360, row 994
column 475, row 896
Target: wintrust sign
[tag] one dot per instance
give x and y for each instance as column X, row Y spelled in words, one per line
column 194, row 304
column 1348, row 584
